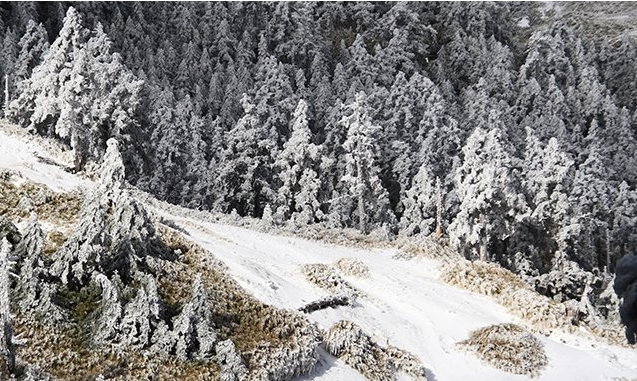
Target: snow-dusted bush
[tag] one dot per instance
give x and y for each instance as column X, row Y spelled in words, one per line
column 327, row 278
column 483, row 277
column 508, row 289
column 427, row 246
column 357, row 349
column 406, row 362
column 508, row 347
column 352, row 266
column 348, row 342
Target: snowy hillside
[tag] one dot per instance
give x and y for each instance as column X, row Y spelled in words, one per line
column 402, row 302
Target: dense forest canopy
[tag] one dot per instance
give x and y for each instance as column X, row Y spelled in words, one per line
column 517, row 142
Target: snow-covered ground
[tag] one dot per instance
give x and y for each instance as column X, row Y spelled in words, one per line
column 21, row 155
column 403, row 302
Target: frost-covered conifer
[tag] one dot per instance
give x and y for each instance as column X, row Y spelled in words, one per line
column 109, row 313
column 43, row 87
column 193, row 331
column 300, row 182
column 141, row 315
column 623, row 236
column 245, row 175
column 31, row 266
column 369, row 202
column 420, row 204
column 32, row 46
column 113, row 233
column 491, row 201
column 230, row 362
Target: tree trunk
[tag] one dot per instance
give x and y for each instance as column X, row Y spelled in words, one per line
column 361, row 201
column 7, row 349
column 483, row 241
column 361, row 214
column 439, row 231
column 6, row 94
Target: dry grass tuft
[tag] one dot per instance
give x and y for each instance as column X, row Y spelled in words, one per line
column 18, row 201
column 542, row 313
column 508, row 347
column 482, row 277
column 327, row 278
column 428, row 247
column 352, row 267
column 357, row 349
column 348, row 342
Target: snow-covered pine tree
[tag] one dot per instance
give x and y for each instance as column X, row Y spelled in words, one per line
column 5, row 106
column 548, row 179
column 297, row 164
column 246, row 173
column 624, row 211
column 33, row 44
column 31, row 266
column 37, row 95
column 369, row 200
column 491, row 202
column 420, row 204
column 591, row 193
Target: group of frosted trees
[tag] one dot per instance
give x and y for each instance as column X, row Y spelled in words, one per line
column 79, row 91
column 404, row 118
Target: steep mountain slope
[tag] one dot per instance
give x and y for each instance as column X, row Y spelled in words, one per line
column 402, row 302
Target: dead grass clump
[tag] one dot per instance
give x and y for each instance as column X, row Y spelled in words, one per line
column 54, row 240
column 428, row 247
column 482, row 277
column 352, row 267
column 541, row 312
column 327, row 278
column 348, row 342
column 508, row 347
column 406, row 362
column 357, row 349
column 18, row 201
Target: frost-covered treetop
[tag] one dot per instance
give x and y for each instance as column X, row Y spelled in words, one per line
column 113, row 172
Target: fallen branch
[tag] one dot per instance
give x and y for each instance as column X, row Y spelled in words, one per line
column 328, row 302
